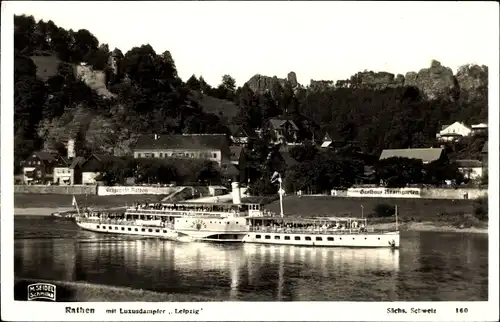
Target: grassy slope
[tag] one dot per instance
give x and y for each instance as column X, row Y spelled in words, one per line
column 419, row 209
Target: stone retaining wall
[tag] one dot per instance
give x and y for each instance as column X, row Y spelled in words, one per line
column 60, row 190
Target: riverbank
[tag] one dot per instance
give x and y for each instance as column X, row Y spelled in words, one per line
column 430, row 226
column 86, row 292
column 24, row 201
column 414, row 214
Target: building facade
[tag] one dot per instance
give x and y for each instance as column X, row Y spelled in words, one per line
column 471, row 169
column 38, row 168
column 453, row 132
column 212, row 147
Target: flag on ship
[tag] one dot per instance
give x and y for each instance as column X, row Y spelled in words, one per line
column 275, row 177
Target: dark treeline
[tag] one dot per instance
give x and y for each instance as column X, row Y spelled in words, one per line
column 148, row 96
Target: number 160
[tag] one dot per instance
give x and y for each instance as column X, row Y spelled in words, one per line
column 462, row 310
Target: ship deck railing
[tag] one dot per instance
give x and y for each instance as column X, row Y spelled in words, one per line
column 185, row 213
column 124, row 222
column 317, row 231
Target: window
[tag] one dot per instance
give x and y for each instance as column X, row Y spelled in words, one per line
column 287, row 237
column 379, row 238
column 268, row 237
column 116, row 228
column 97, row 226
column 330, row 239
column 129, row 229
column 157, row 230
column 136, row 229
column 353, row 238
column 236, row 222
column 214, row 155
column 319, row 238
column 340, row 238
column 123, row 228
column 150, row 230
column 308, row 238
column 297, row 238
column 161, row 155
column 110, row 227
column 164, row 231
column 143, row 229
column 257, row 236
column 138, row 155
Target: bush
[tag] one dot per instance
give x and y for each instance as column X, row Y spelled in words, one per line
column 481, row 209
column 384, row 210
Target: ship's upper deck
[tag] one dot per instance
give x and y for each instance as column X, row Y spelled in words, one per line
column 195, row 209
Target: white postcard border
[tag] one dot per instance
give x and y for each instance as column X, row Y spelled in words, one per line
column 220, row 311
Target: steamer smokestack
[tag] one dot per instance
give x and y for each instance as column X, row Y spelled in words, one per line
column 236, row 192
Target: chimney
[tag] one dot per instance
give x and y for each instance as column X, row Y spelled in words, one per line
column 70, row 147
column 236, row 192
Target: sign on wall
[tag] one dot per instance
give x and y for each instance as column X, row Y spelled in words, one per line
column 384, row 192
column 133, row 190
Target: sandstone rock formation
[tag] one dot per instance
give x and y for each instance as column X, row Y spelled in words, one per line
column 472, row 79
column 95, row 79
column 320, row 85
column 376, row 80
column 434, row 82
column 260, row 84
column 292, row 79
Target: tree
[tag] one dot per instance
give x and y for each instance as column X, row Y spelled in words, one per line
column 193, row 83
column 228, row 83
column 398, row 172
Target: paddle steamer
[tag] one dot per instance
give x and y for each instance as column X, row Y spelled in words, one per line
column 184, row 221
column 329, row 232
column 236, row 222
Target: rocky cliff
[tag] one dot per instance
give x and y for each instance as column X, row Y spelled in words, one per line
column 434, row 82
column 48, row 66
column 259, row 83
column 437, row 81
column 472, row 80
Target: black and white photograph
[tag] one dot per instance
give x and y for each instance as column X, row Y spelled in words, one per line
column 249, row 160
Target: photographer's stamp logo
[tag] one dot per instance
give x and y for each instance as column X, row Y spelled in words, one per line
column 41, row 291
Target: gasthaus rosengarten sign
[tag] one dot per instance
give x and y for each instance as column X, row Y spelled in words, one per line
column 384, row 192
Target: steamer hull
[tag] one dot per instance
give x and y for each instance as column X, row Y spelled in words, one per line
column 358, row 240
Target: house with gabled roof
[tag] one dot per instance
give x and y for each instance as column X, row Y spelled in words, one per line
column 95, row 166
column 427, row 155
column 471, row 169
column 68, row 171
column 283, row 130
column 38, row 167
column 213, row 147
column 241, row 135
column 453, row 132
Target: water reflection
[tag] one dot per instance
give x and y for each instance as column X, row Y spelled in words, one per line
column 198, row 267
column 429, row 266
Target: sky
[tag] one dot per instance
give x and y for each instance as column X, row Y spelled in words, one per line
column 316, row 40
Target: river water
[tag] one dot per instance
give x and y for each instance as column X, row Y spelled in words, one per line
column 429, row 266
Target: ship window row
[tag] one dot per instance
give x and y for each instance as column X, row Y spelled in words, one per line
column 135, row 229
column 307, row 238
